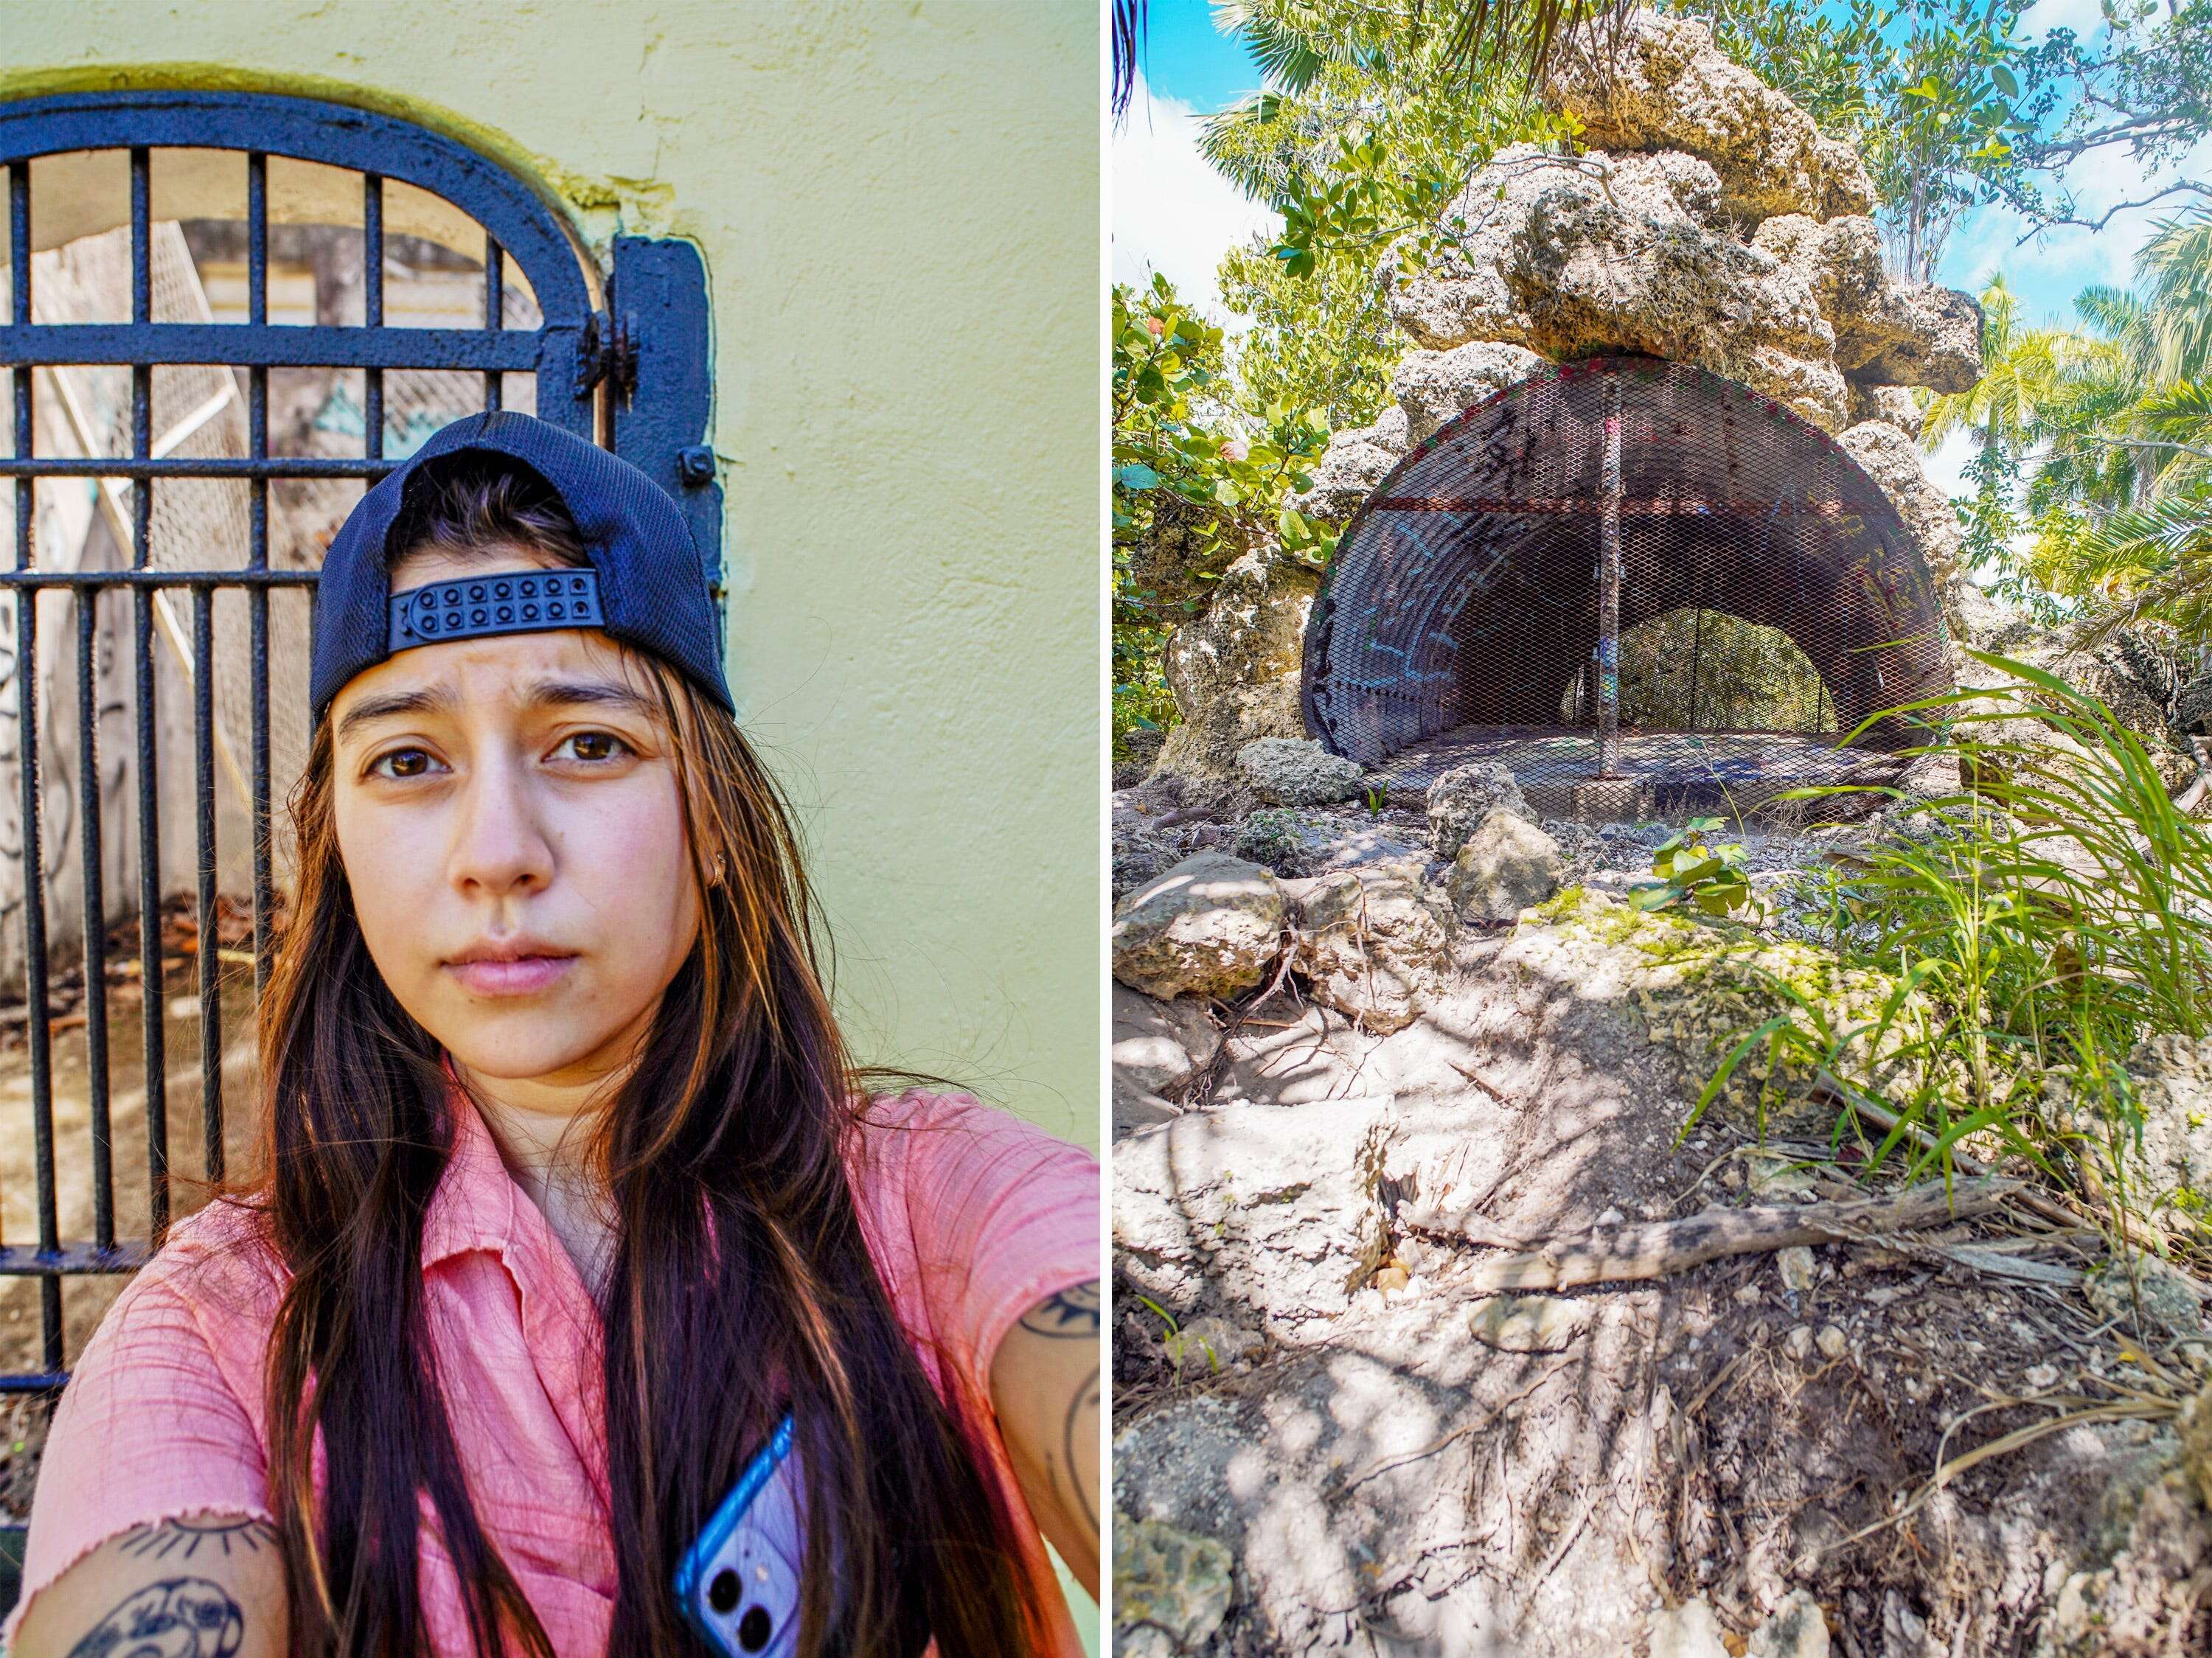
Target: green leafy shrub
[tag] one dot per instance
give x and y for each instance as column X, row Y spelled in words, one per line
column 2054, row 912
column 1693, row 873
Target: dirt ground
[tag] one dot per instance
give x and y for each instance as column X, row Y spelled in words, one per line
column 1389, row 1482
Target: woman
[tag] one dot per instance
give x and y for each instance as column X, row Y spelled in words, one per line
column 567, row 1192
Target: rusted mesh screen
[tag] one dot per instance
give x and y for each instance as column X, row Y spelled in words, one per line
column 1769, row 598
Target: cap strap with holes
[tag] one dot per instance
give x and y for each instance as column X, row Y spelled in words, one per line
column 473, row 606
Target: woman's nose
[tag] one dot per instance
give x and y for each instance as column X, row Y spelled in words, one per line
column 499, row 842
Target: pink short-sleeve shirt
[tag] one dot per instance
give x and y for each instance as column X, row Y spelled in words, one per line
column 973, row 1216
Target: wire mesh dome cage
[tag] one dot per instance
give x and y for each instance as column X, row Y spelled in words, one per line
column 1764, row 600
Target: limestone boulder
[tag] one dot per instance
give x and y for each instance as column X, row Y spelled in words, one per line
column 1659, row 83
column 1462, row 798
column 1253, row 632
column 1209, row 926
column 2155, row 1294
column 1171, row 1589
column 1894, row 404
column 1159, row 1047
column 1298, row 771
column 1433, row 387
column 1375, row 941
column 1174, row 564
column 1267, row 1214
column 1565, row 256
column 1506, row 865
column 1920, row 334
column 1234, row 670
column 1138, row 856
column 1350, row 468
column 2172, row 1078
column 1887, row 333
column 2133, row 674
column 1205, row 746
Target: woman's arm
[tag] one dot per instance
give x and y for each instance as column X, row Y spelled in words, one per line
column 1044, row 1385
column 205, row 1586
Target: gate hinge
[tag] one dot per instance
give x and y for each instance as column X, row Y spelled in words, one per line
column 607, row 351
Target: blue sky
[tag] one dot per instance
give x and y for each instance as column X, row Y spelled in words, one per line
column 1168, row 218
column 1172, row 212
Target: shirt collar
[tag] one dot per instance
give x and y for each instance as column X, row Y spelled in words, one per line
column 474, row 1206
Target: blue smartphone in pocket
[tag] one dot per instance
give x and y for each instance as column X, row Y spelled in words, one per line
column 738, row 1584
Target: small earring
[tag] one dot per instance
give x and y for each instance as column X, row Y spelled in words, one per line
column 722, row 870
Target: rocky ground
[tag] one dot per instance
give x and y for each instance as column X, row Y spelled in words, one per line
column 1366, row 1059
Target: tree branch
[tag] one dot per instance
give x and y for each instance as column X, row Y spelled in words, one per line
column 2188, row 185
column 1656, row 1249
column 2141, row 443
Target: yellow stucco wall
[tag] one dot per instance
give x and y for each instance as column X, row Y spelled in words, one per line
column 898, row 204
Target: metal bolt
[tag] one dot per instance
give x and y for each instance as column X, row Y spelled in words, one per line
column 695, row 464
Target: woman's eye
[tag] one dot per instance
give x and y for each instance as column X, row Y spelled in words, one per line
column 595, row 745
column 401, row 762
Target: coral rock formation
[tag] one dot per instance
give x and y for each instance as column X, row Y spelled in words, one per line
column 1660, row 83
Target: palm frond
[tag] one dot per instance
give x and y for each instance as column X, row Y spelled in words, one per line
column 2114, row 312
column 1289, row 59
column 2175, row 268
column 2151, row 560
column 1522, row 39
column 1129, row 19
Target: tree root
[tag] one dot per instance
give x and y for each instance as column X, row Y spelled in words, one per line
column 1660, row 1248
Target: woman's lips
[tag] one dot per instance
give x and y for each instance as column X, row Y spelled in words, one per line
column 522, row 976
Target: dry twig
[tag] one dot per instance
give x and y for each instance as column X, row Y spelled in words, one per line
column 1660, row 1248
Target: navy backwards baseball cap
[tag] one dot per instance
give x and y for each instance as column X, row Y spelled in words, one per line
column 645, row 585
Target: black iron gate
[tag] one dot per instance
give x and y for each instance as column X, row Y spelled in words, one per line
column 624, row 361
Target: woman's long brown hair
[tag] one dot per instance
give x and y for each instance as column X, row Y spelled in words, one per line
column 737, row 1116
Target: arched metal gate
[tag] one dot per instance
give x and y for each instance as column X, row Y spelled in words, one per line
column 181, row 472
column 1630, row 572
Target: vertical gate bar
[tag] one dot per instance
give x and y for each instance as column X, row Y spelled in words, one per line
column 86, row 601
column 150, row 977
column 257, row 192
column 151, row 1011
column 1697, row 638
column 26, row 712
column 209, row 945
column 1609, row 588
column 372, row 235
column 142, row 235
column 257, row 238
column 34, row 931
column 494, row 311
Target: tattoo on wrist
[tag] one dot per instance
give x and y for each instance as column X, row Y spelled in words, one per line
column 226, row 1534
column 178, row 1618
column 1072, row 1315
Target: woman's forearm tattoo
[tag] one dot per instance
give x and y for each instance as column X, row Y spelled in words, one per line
column 177, row 1617
column 1072, row 1315
column 185, row 1539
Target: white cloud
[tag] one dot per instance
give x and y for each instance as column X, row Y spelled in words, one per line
column 2072, row 256
column 1947, row 466
column 1171, row 212
column 2084, row 17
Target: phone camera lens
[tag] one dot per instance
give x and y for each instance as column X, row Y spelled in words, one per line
column 722, row 1593
column 754, row 1629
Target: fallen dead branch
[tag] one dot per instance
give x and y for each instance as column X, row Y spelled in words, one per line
column 2046, row 1206
column 1660, row 1248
